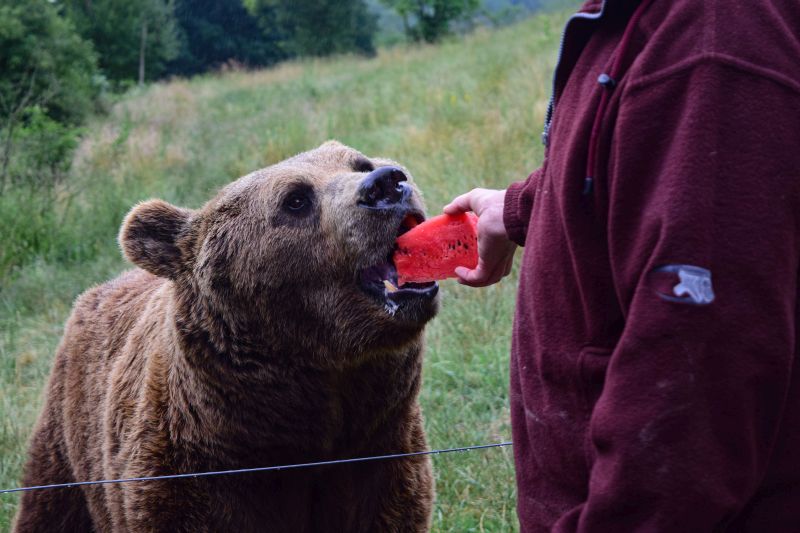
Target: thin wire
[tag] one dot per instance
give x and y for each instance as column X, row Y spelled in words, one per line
column 259, row 469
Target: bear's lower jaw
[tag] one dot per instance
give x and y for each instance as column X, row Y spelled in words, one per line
column 380, row 282
column 410, row 291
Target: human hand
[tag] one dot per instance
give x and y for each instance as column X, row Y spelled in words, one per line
column 495, row 249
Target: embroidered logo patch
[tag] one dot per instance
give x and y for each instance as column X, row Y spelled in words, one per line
column 693, row 284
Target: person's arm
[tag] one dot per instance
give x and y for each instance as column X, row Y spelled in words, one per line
column 703, row 235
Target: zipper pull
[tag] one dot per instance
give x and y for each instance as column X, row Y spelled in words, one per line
column 546, row 135
column 606, row 81
column 588, row 186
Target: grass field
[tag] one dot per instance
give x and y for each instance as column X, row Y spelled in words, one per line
column 459, row 115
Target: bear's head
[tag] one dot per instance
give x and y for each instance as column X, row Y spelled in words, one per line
column 291, row 259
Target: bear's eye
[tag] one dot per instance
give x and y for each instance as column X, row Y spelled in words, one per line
column 296, row 201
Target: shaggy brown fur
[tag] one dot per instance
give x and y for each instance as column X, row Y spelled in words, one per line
column 244, row 339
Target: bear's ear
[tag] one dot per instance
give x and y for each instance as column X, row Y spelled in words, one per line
column 149, row 236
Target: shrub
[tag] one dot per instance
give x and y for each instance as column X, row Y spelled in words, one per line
column 47, row 88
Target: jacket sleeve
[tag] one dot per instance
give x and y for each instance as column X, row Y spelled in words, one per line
column 703, row 182
column 518, row 205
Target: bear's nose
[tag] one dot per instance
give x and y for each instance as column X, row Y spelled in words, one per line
column 383, row 188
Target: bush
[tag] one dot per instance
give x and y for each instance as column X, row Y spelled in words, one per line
column 47, row 88
column 219, row 32
column 317, row 27
column 431, row 20
column 134, row 40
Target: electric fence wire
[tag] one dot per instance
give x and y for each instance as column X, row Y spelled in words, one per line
column 258, row 469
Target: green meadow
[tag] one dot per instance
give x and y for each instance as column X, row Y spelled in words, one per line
column 463, row 114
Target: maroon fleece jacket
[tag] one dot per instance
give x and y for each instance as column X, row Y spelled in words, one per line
column 655, row 376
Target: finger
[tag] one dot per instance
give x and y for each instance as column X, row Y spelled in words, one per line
column 460, row 204
column 477, row 277
column 463, row 273
column 475, row 283
column 482, row 275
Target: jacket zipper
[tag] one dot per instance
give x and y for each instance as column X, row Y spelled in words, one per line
column 551, row 107
column 608, row 82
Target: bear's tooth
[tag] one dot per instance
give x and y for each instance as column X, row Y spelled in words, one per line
column 389, row 286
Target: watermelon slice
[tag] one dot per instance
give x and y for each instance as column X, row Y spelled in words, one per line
column 433, row 249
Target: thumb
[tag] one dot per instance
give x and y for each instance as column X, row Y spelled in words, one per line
column 461, row 204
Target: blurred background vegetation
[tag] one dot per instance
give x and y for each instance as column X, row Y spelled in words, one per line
column 62, row 61
column 104, row 103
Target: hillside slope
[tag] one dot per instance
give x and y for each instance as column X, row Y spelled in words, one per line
column 463, row 114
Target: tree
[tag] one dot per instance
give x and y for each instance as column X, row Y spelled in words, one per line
column 134, row 40
column 318, row 27
column 430, row 20
column 47, row 87
column 214, row 32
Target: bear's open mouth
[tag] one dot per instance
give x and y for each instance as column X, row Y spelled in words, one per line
column 380, row 280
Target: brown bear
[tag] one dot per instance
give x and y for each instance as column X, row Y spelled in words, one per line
column 257, row 330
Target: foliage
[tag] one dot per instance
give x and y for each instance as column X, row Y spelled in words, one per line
column 43, row 149
column 318, row 27
column 216, row 32
column 124, row 32
column 458, row 115
column 48, row 83
column 430, row 20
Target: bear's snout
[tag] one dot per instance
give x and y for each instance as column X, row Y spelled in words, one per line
column 383, row 188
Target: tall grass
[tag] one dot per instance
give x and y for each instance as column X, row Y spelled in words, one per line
column 463, row 114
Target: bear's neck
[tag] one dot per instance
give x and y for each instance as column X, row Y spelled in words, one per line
column 243, row 408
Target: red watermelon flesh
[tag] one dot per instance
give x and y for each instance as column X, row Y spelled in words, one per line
column 433, row 249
